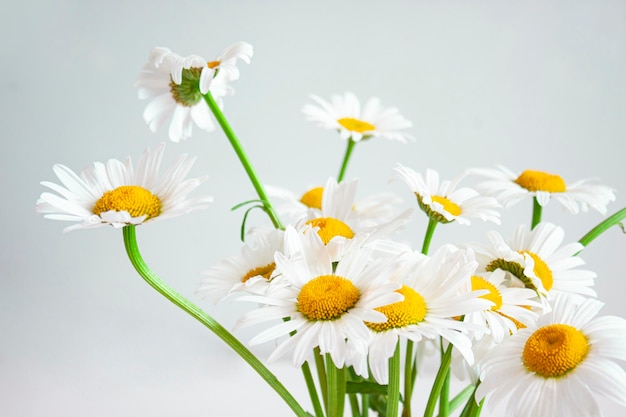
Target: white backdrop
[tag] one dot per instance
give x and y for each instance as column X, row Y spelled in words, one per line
column 532, row 84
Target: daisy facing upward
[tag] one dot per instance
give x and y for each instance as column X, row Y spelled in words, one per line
column 558, row 366
column 327, row 307
column 118, row 194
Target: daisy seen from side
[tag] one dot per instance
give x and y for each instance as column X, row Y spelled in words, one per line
column 443, row 202
column 175, row 87
column 326, row 307
column 512, row 307
column 560, row 365
column 510, row 188
column 345, row 114
column 249, row 272
column 118, row 194
column 538, row 260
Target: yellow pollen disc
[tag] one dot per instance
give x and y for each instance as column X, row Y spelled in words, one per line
column 494, row 295
column 356, row 125
column 264, row 271
column 542, row 270
column 540, row 181
column 327, row 297
column 135, row 200
column 554, row 350
column 448, row 205
column 329, row 228
column 213, row 64
column 313, row 198
column 411, row 310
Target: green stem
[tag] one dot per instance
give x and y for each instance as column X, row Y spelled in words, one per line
column 444, row 368
column 444, row 396
column 460, row 398
column 393, row 390
column 130, row 242
column 471, row 405
column 243, row 158
column 321, row 375
column 346, row 159
column 336, row 379
column 365, row 405
column 430, row 230
column 310, row 385
column 603, row 226
column 408, row 380
column 537, row 209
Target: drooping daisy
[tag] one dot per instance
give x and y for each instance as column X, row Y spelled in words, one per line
column 344, row 114
column 251, row 271
column 175, row 86
column 326, row 307
column 559, row 366
column 511, row 307
column 436, row 291
column 116, row 193
column 366, row 212
column 338, row 225
column 510, row 188
column 538, row 260
column 443, row 202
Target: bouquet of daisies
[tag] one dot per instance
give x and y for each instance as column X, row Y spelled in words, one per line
column 514, row 317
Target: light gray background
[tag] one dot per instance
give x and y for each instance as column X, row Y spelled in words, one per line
column 531, row 84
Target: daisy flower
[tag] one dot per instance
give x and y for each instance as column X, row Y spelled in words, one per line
column 443, row 202
column 557, row 367
column 366, row 212
column 539, row 260
column 511, row 306
column 344, row 114
column 325, row 307
column 436, row 291
column 176, row 85
column 115, row 193
column 250, row 271
column 338, row 225
column 510, row 188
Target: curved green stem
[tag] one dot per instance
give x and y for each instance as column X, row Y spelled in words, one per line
column 537, row 209
column 603, row 226
column 130, row 242
column 430, row 230
column 230, row 134
column 346, row 159
column 438, row 384
column 393, row 390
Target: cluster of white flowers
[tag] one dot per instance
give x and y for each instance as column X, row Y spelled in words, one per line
column 518, row 311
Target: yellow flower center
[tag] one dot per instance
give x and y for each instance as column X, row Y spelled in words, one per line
column 542, row 270
column 356, row 125
column 494, row 295
column 313, row 198
column 411, row 310
column 213, row 64
column 330, row 227
column 540, row 181
column 554, row 350
column 327, row 297
column 135, row 200
column 264, row 271
column 518, row 324
column 448, row 205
